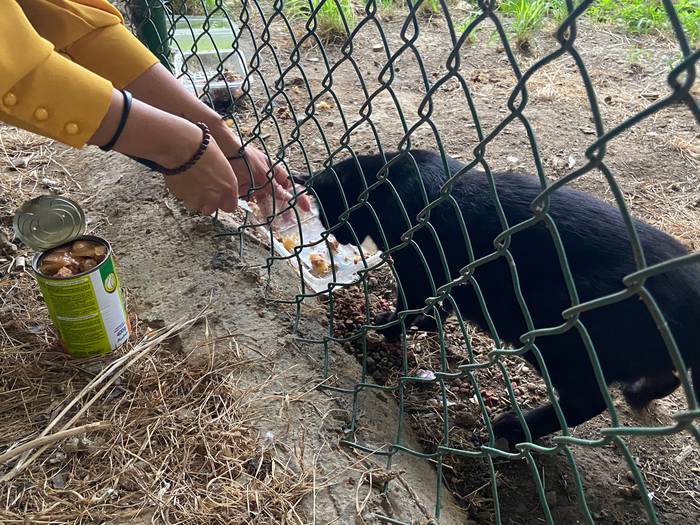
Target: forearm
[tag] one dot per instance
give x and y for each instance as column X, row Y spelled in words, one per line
column 149, row 133
column 157, row 87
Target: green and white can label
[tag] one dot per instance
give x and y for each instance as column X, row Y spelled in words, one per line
column 88, row 310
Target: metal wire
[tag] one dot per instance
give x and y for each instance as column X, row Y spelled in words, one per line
column 279, row 35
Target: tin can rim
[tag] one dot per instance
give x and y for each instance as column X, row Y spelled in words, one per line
column 37, row 258
column 49, row 221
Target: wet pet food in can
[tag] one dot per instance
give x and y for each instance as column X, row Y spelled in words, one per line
column 81, row 289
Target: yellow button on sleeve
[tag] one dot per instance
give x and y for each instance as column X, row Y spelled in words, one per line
column 10, row 99
column 72, row 128
column 41, row 114
column 75, row 99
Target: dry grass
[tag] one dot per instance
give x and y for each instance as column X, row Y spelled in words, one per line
column 146, row 434
column 174, row 441
column 689, row 148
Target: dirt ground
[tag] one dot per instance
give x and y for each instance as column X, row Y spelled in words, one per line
column 223, row 423
column 655, row 164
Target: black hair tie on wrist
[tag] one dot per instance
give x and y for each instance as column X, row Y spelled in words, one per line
column 122, row 121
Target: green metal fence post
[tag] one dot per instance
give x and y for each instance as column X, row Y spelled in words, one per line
column 151, row 27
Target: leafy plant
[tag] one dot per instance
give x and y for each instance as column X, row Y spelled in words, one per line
column 330, row 18
column 644, row 16
column 529, row 16
column 192, row 7
column 464, row 25
column 431, row 6
column 558, row 11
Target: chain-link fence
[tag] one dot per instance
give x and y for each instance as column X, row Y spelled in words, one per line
column 488, row 267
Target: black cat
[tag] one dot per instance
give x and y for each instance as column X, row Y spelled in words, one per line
column 627, row 341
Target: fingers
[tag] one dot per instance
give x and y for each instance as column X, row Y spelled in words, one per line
column 304, row 202
column 244, row 182
column 283, row 178
column 229, row 200
column 208, row 209
column 209, row 185
column 280, row 193
column 256, row 173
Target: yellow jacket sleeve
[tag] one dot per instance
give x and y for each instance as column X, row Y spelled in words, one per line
column 92, row 34
column 44, row 45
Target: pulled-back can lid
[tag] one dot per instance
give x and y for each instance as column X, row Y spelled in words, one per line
column 48, row 221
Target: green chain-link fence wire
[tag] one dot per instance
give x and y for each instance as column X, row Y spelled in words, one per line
column 244, row 58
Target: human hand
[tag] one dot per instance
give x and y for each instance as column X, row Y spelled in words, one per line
column 159, row 88
column 209, row 185
column 253, row 171
column 170, row 141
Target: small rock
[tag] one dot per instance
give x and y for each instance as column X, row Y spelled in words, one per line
column 426, row 374
column 630, row 476
column 378, row 47
column 629, row 492
column 20, row 163
column 59, row 480
column 35, row 328
column 5, row 245
column 557, row 163
column 465, row 419
column 20, row 264
column 57, row 457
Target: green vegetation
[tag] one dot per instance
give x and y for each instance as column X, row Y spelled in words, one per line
column 192, row 7
column 645, row 16
column 464, row 24
column 329, row 18
column 523, row 18
column 431, row 6
column 529, row 15
column 634, row 16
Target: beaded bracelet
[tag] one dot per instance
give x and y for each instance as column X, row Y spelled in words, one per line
column 206, row 138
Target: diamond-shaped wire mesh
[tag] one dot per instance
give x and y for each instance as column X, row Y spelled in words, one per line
column 314, row 83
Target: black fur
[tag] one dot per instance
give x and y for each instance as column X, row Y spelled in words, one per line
column 628, row 344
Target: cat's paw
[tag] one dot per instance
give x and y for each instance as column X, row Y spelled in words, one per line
column 508, row 431
column 391, row 333
column 425, row 323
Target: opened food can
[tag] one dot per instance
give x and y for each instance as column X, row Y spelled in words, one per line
column 76, row 275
